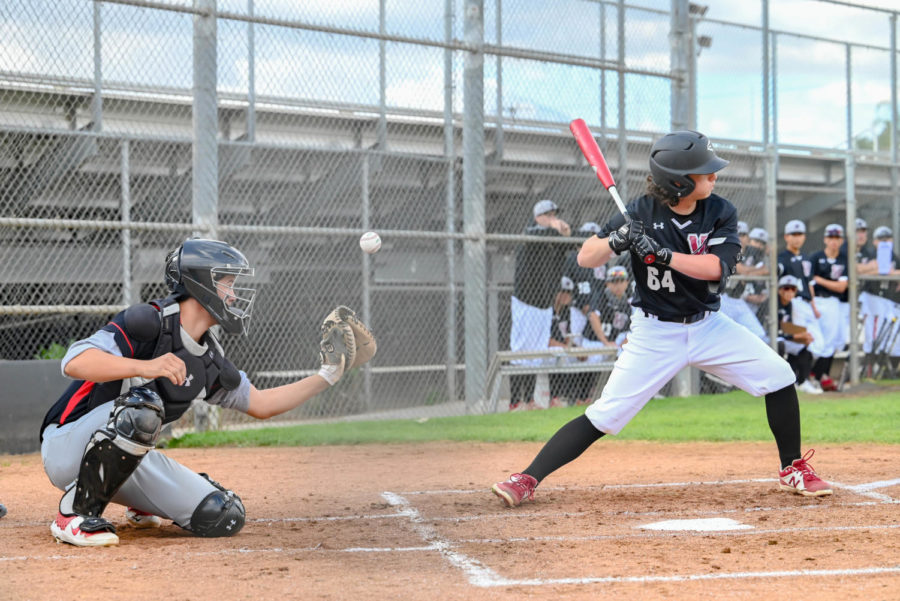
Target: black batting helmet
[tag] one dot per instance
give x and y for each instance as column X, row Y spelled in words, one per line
column 679, row 153
column 194, row 268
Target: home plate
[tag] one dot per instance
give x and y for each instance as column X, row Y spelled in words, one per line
column 706, row 525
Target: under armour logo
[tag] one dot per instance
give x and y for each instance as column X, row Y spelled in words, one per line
column 188, row 379
column 659, row 225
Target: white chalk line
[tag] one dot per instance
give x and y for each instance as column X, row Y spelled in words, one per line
column 692, row 577
column 477, row 573
column 482, row 576
column 670, row 534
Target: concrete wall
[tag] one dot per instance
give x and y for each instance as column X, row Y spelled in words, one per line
column 27, row 389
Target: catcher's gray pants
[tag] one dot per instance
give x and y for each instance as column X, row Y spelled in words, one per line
column 159, row 485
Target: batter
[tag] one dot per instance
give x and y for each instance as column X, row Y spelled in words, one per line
column 692, row 237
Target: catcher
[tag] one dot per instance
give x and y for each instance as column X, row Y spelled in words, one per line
column 143, row 370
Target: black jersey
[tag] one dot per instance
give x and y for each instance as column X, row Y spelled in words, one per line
column 864, row 253
column 710, row 228
column 559, row 326
column 539, row 268
column 798, row 266
column 586, row 279
column 614, row 312
column 831, row 269
column 785, row 314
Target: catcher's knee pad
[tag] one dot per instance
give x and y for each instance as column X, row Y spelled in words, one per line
column 220, row 513
column 114, row 453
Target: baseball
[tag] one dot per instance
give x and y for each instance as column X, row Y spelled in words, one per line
column 370, row 242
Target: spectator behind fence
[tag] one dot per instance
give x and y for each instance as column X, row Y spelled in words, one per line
column 794, row 339
column 537, row 272
column 733, row 302
column 561, row 385
column 608, row 322
column 585, row 279
column 878, row 302
column 792, row 261
column 830, row 280
column 865, row 252
column 756, row 293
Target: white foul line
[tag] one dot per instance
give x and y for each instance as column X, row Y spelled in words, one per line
column 692, row 577
column 478, row 573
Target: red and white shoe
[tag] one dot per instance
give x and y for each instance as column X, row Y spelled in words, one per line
column 141, row 519
column 800, row 478
column 518, row 488
column 828, row 385
column 83, row 531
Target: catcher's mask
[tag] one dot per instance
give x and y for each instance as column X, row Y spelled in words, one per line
column 678, row 154
column 207, row 271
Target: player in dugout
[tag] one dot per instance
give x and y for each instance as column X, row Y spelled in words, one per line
column 684, row 244
column 143, row 370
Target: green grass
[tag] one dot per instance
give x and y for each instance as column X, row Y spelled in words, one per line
column 736, row 416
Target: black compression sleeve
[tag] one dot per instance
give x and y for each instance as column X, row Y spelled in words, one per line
column 783, row 413
column 568, row 443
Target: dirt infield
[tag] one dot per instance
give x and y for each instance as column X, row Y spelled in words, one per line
column 418, row 522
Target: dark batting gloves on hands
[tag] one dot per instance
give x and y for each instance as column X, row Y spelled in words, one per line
column 622, row 239
column 646, row 246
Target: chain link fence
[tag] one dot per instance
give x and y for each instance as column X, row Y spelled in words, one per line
column 289, row 129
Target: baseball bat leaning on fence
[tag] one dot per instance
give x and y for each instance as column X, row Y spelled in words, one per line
column 595, row 159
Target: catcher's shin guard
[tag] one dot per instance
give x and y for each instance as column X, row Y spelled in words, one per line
column 114, row 452
column 220, row 513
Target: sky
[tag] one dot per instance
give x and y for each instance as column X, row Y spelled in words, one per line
column 153, row 48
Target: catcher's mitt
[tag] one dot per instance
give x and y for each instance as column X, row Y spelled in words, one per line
column 364, row 344
column 337, row 348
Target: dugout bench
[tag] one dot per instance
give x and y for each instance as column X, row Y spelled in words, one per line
column 556, row 361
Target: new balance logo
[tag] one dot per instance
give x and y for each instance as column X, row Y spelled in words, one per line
column 796, row 480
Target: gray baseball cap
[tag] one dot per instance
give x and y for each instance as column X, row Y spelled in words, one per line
column 882, row 232
column 861, row 224
column 544, row 206
column 760, row 234
column 794, row 226
column 834, row 230
column 743, row 228
column 789, row 280
column 589, row 227
column 566, row 283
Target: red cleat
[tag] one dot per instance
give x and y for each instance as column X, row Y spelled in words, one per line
column 800, row 478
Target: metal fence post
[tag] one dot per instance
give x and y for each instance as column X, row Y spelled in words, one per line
column 205, row 155
column 853, row 291
column 450, row 204
column 680, row 51
column 771, row 183
column 473, row 205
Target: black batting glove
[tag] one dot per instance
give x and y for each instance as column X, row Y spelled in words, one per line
column 621, row 239
column 650, row 252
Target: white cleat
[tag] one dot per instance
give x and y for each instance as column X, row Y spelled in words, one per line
column 68, row 529
column 141, row 519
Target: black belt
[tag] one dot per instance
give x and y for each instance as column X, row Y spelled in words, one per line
column 679, row 319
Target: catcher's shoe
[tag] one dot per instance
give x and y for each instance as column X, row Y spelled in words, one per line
column 800, row 478
column 2, row 510
column 518, row 488
column 83, row 531
column 141, row 519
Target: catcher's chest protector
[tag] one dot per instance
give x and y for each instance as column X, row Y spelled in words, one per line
column 205, row 372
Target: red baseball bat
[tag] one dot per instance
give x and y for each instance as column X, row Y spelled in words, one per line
column 595, row 159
